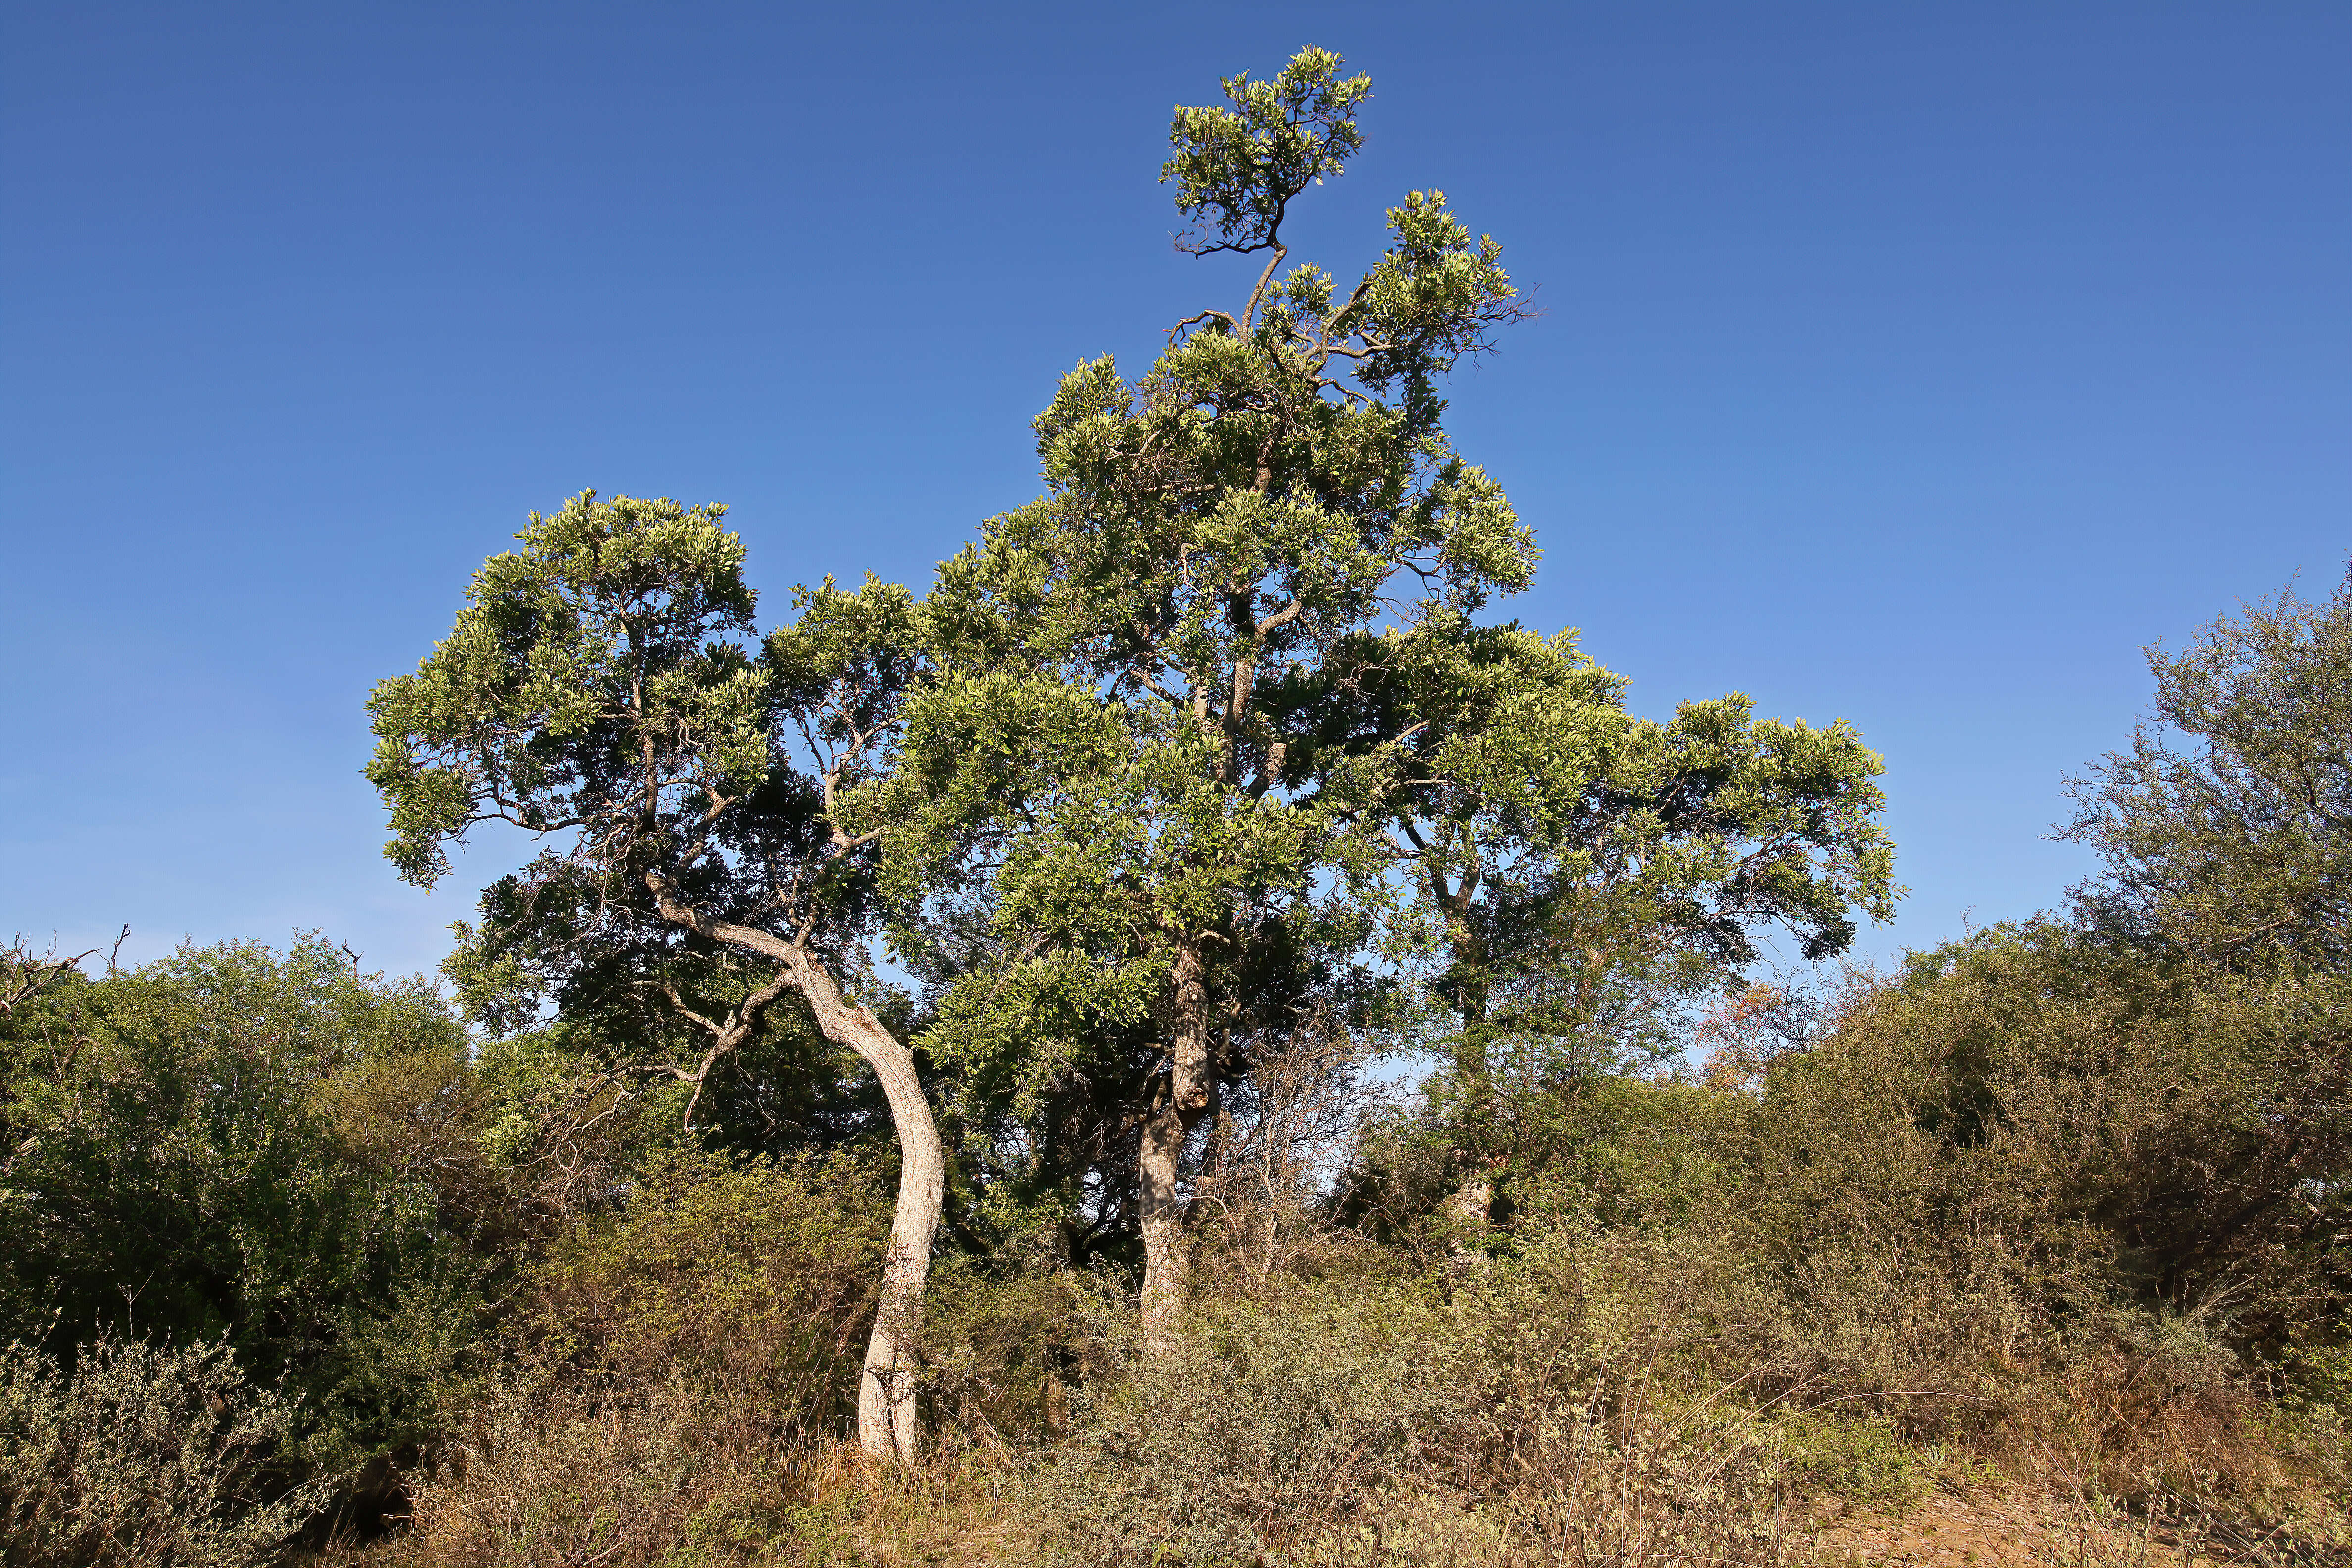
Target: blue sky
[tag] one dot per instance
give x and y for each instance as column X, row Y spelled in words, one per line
column 1910, row 365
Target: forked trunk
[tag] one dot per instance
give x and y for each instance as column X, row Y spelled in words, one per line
column 887, row 1425
column 1183, row 1100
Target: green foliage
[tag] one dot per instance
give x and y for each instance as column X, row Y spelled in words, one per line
column 599, row 675
column 1860, row 1457
column 754, row 1281
column 1114, row 761
column 2128, row 1125
column 601, row 619
column 141, row 1458
column 238, row 1141
column 2226, row 828
column 605, row 691
column 1576, row 849
column 1242, row 166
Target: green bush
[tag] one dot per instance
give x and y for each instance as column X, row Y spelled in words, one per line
column 2127, row 1127
column 1263, row 1426
column 240, row 1141
column 141, row 1458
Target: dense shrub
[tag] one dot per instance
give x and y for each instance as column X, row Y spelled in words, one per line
column 1002, row 1347
column 241, row 1142
column 2120, row 1127
column 1266, row 1425
column 682, row 1355
column 140, row 1458
column 754, row 1281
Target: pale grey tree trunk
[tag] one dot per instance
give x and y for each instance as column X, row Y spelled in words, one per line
column 887, row 1425
column 886, row 1417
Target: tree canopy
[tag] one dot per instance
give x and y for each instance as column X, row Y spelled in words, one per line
column 597, row 693
column 1217, row 736
column 2225, row 829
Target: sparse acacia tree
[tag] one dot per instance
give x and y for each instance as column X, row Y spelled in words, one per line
column 2226, row 826
column 598, row 694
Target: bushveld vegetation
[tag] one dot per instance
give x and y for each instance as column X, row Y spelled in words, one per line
column 1190, row 1043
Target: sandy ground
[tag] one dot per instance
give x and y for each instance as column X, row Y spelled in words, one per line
column 1990, row 1531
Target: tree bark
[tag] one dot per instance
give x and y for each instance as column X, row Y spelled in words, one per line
column 887, row 1424
column 1183, row 1098
column 886, row 1417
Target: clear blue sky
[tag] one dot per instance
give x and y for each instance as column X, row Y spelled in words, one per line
column 1912, row 364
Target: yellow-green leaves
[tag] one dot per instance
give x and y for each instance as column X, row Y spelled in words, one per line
column 594, row 669
column 1435, row 296
column 1235, row 170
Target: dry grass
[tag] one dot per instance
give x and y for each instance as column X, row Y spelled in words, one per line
column 554, row 1479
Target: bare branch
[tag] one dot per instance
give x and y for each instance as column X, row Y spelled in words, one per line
column 27, row 977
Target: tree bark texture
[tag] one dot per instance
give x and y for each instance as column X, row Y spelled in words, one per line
column 887, row 1425
column 886, row 1422
column 1183, row 1100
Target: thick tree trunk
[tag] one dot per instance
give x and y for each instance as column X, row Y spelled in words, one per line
column 1472, row 1203
column 1184, row 1098
column 886, row 1422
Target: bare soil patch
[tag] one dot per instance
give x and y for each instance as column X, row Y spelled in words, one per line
column 1985, row 1529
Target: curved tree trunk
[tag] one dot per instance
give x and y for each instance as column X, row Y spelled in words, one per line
column 886, row 1422
column 1186, row 1095
column 886, row 1389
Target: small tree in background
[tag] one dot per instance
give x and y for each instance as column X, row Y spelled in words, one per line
column 1592, row 869
column 2226, row 828
column 2225, row 832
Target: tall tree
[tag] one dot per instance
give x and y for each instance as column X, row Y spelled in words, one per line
column 598, row 694
column 1215, row 710
column 1112, row 747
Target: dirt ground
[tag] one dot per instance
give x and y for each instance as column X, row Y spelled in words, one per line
column 1987, row 1529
